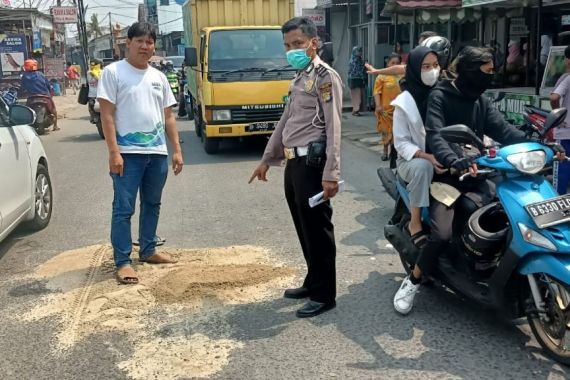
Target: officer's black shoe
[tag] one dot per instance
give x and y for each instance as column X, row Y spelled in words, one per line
column 297, row 293
column 312, row 309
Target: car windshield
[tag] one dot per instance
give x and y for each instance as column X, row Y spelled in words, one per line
column 247, row 50
column 176, row 60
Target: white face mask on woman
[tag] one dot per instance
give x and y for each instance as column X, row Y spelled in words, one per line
column 429, row 78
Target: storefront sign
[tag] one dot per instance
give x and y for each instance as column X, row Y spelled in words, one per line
column 37, row 41
column 324, row 3
column 13, row 52
column 54, row 67
column 511, row 105
column 555, row 67
column 315, row 15
column 472, row 3
column 64, row 15
column 518, row 27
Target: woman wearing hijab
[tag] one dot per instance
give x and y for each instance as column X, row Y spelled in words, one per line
column 357, row 79
column 415, row 166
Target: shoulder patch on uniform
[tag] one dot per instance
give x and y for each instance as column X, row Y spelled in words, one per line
column 326, row 92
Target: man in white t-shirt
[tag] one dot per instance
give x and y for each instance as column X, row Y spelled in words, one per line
column 137, row 118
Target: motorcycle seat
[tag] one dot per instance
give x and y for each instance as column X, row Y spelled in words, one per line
column 538, row 111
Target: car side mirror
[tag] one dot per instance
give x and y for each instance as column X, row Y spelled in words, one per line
column 461, row 134
column 20, row 115
column 191, row 56
column 554, row 118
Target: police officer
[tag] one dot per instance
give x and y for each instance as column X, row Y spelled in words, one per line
column 308, row 138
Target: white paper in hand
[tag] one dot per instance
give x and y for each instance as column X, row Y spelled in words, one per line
column 316, row 200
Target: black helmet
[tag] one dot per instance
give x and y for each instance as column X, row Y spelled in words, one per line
column 485, row 236
column 441, row 46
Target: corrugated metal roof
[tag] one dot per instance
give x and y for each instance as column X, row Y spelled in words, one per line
column 416, row 4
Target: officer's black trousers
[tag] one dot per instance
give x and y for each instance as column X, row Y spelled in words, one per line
column 314, row 228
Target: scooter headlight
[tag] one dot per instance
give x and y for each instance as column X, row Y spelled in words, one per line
column 528, row 162
column 533, row 237
column 222, row 115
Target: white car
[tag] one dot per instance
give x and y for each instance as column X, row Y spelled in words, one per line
column 25, row 188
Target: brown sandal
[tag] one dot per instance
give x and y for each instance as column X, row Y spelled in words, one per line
column 159, row 258
column 125, row 275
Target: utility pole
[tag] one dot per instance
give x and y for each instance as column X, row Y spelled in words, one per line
column 111, row 36
column 82, row 29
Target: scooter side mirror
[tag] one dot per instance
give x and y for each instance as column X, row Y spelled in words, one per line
column 554, row 118
column 461, row 134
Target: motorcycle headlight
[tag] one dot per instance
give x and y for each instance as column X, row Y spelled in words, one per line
column 221, row 115
column 536, row 238
column 528, row 162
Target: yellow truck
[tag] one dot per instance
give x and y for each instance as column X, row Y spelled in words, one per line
column 237, row 72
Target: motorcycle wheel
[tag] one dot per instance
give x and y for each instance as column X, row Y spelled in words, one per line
column 551, row 329
column 100, row 129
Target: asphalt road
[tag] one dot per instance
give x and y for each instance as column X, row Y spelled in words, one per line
column 211, row 205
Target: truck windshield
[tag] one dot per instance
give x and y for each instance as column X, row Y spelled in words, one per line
column 247, row 50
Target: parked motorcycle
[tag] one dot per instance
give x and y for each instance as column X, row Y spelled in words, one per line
column 44, row 119
column 524, row 268
column 97, row 117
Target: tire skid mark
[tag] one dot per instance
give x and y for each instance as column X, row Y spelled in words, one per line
column 80, row 302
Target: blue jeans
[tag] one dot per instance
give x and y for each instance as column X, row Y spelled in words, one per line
column 147, row 173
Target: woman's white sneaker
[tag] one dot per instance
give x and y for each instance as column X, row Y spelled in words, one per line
column 404, row 298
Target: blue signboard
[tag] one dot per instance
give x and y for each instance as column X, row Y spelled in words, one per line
column 37, row 41
column 13, row 52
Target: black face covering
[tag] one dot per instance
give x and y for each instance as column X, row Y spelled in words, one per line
column 413, row 80
column 473, row 83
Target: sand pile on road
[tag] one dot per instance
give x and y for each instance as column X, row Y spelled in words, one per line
column 200, row 281
column 88, row 300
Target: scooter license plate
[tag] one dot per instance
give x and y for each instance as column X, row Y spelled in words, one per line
column 260, row 127
column 550, row 212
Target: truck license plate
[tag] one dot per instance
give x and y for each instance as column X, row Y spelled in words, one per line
column 550, row 212
column 261, row 127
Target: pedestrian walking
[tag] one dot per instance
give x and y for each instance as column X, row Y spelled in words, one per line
column 72, row 76
column 357, row 76
column 386, row 89
column 308, row 138
column 136, row 111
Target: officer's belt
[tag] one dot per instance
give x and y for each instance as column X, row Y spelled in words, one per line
column 291, row 153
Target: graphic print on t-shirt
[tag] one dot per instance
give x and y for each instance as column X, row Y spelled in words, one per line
column 143, row 139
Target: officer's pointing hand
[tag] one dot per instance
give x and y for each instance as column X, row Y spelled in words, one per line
column 330, row 189
column 260, row 173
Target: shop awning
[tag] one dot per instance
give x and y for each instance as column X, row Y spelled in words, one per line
column 423, row 4
column 430, row 11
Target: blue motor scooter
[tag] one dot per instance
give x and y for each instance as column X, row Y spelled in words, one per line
column 529, row 274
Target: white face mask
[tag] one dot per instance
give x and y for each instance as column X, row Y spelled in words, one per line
column 429, row 78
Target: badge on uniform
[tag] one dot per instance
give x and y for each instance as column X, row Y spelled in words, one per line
column 326, row 92
column 309, row 85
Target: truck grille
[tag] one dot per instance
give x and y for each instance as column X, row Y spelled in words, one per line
column 250, row 115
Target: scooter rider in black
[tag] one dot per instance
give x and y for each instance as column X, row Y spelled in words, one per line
column 460, row 101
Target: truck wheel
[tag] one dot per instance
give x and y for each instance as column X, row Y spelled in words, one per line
column 100, row 129
column 211, row 145
column 190, row 109
column 198, row 123
column 43, row 200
